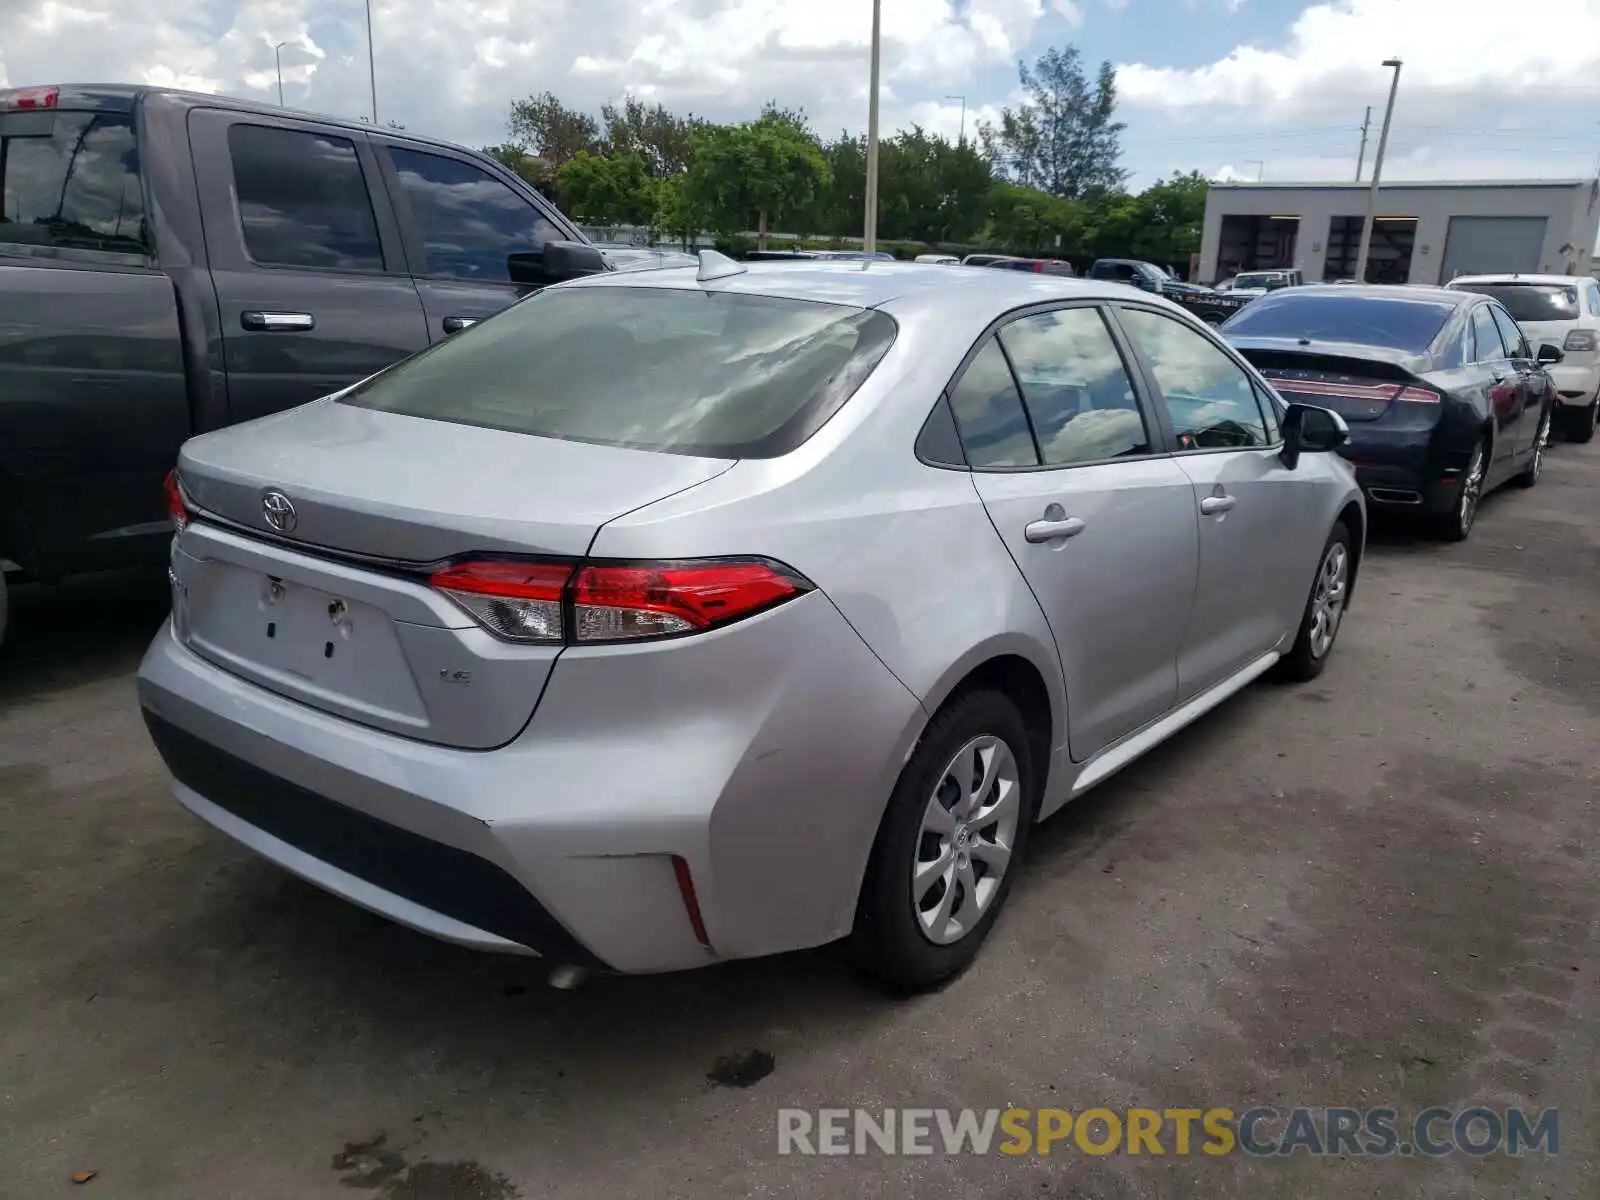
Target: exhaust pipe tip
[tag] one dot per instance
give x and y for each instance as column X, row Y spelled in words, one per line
column 568, row 979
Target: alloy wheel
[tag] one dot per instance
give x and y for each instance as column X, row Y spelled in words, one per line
column 1540, row 441
column 1471, row 491
column 965, row 844
column 1327, row 599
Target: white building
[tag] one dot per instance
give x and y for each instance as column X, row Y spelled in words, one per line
column 1424, row 232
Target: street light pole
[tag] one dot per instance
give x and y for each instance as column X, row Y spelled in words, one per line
column 372, row 70
column 962, row 139
column 1377, row 174
column 278, row 58
column 869, row 237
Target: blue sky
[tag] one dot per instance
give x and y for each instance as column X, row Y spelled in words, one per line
column 1233, row 88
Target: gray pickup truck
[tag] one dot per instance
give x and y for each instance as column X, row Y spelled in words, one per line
column 171, row 263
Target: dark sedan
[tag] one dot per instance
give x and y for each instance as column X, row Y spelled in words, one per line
column 1444, row 397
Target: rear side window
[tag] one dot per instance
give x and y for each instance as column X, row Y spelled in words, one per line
column 468, row 220
column 303, row 199
column 1392, row 321
column 988, row 409
column 1076, row 388
column 70, row 180
column 1487, row 346
column 681, row 370
column 1533, row 301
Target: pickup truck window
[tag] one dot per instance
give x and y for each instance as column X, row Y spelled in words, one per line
column 72, row 182
column 303, row 201
column 468, row 220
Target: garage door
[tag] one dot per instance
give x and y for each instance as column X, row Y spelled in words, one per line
column 1488, row 245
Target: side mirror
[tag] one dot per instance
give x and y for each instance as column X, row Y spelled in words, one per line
column 557, row 261
column 1550, row 355
column 1308, row 429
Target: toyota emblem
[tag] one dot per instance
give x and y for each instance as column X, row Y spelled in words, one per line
column 279, row 511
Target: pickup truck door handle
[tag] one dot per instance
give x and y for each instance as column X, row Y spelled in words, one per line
column 1217, row 504
column 1049, row 530
column 278, row 322
column 457, row 324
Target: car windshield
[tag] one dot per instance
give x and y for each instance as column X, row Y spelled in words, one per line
column 1532, row 301
column 1390, row 321
column 725, row 375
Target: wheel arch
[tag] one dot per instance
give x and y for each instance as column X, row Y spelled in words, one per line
column 1354, row 518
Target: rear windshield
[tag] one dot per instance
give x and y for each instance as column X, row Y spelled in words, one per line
column 1390, row 321
column 1532, row 301
column 686, row 371
column 70, row 181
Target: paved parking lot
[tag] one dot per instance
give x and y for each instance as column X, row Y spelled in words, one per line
column 1377, row 889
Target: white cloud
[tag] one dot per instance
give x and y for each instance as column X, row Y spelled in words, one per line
column 1070, row 10
column 1452, row 51
column 452, row 67
column 1116, row 5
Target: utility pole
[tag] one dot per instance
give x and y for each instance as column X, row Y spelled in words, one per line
column 869, row 235
column 372, row 70
column 1361, row 155
column 1261, row 168
column 1377, row 173
column 277, row 57
column 962, row 139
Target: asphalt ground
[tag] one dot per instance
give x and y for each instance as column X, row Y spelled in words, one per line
column 1375, row 890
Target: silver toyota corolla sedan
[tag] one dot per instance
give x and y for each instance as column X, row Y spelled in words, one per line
column 695, row 614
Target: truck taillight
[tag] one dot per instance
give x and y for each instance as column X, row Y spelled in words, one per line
column 26, row 99
column 176, row 508
column 1580, row 340
column 552, row 603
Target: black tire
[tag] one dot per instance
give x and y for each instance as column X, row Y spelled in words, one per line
column 1578, row 424
column 1308, row 656
column 1456, row 525
column 1529, row 475
column 888, row 943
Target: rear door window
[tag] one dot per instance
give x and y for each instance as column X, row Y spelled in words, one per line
column 69, row 181
column 1510, row 333
column 1076, row 388
column 988, row 408
column 469, row 221
column 1487, row 346
column 303, row 199
column 709, row 373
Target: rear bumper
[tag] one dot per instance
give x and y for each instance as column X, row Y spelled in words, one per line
column 761, row 755
column 1576, row 386
column 1404, row 470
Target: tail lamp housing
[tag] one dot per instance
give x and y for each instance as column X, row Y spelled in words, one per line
column 177, row 508
column 1581, row 340
column 595, row 603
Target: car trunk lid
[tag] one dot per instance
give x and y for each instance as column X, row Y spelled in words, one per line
column 332, row 607
column 1358, row 388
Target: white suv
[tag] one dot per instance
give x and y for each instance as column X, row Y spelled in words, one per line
column 1563, row 310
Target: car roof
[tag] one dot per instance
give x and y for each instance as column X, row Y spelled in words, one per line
column 873, row 283
column 1509, row 277
column 1377, row 291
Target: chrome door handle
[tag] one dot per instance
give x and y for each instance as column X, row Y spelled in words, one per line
column 457, row 324
column 1217, row 504
column 1049, row 531
column 277, row 322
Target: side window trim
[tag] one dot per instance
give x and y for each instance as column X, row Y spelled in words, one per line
column 1162, row 441
column 409, row 229
column 1258, row 384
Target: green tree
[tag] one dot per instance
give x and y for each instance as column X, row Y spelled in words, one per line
column 653, row 132
column 1171, row 214
column 614, row 190
column 676, row 211
column 548, row 129
column 770, row 168
column 1064, row 138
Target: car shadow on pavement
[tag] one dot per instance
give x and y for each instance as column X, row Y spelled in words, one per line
column 86, row 629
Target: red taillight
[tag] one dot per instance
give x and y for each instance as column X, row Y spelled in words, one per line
column 624, row 603
column 530, row 601
column 1416, row 395
column 24, row 99
column 518, row 601
column 176, row 508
